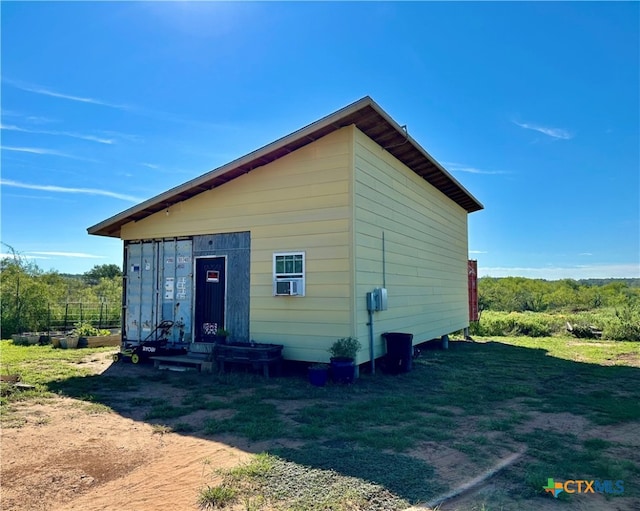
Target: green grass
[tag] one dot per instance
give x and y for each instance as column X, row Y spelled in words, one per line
column 476, row 398
column 43, row 367
column 167, row 411
column 40, row 365
column 253, row 418
column 304, row 486
column 216, row 497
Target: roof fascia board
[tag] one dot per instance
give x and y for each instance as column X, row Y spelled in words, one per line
column 424, row 152
column 259, row 157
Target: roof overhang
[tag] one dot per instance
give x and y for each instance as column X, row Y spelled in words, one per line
column 365, row 114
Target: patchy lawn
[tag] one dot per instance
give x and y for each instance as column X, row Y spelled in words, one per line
column 552, row 407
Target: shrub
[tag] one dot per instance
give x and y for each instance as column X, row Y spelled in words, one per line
column 213, row 497
column 346, row 347
column 621, row 324
column 86, row 330
column 624, row 325
column 517, row 323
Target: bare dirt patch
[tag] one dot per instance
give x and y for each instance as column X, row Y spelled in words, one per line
column 81, row 461
column 64, row 457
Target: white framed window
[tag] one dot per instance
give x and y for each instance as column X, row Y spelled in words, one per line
column 288, row 273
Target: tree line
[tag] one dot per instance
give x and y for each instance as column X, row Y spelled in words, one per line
column 33, row 300
column 519, row 294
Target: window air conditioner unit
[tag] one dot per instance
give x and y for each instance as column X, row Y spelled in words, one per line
column 288, row 287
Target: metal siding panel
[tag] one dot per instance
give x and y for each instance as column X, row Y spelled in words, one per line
column 210, row 296
column 175, row 280
column 148, row 289
column 183, row 310
column 150, row 297
column 167, row 281
column 236, row 247
column 473, row 290
column 133, row 296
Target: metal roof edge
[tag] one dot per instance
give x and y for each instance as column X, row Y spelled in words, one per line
column 168, row 198
column 424, row 152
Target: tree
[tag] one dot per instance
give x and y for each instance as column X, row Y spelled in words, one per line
column 33, row 301
column 24, row 295
column 102, row 271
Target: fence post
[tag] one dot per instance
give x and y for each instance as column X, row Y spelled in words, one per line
column 100, row 320
column 18, row 320
column 66, row 316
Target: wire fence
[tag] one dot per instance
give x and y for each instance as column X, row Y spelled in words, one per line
column 65, row 316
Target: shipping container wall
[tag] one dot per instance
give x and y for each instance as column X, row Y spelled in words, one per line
column 159, row 287
column 473, row 290
column 235, row 247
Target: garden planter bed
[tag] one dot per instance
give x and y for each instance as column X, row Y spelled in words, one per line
column 100, row 341
column 28, row 338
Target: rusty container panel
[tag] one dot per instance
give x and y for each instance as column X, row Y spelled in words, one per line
column 473, row 289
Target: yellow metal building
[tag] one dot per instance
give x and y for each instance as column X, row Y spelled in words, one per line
column 301, row 230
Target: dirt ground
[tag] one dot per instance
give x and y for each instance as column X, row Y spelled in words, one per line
column 70, row 456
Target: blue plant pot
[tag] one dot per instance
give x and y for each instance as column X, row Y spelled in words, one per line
column 318, row 377
column 343, row 370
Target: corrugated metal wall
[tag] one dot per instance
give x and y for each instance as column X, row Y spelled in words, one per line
column 236, row 247
column 473, row 290
column 160, row 284
column 159, row 287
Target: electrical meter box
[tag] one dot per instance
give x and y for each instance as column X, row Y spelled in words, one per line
column 377, row 299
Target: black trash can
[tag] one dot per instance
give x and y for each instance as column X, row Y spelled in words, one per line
column 399, row 352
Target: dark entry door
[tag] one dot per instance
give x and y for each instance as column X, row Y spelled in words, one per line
column 210, row 297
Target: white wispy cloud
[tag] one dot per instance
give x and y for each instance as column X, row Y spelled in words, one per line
column 147, row 112
column 16, row 256
column 122, row 136
column 31, row 119
column 67, row 254
column 557, row 133
column 38, row 197
column 478, row 252
column 150, row 165
column 40, row 119
column 63, row 189
column 601, row 271
column 133, row 109
column 34, row 150
column 71, row 134
column 44, row 91
column 461, row 167
column 44, row 151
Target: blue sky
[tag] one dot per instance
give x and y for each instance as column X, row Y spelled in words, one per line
column 533, row 107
